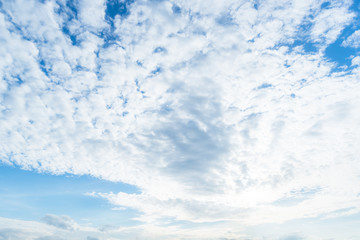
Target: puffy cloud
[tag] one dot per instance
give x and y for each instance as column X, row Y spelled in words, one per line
column 204, row 106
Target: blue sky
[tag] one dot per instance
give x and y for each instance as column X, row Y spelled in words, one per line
column 29, row 195
column 179, row 119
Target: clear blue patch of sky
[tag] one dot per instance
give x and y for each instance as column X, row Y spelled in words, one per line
column 29, row 195
column 308, row 47
column 337, row 53
column 117, row 7
column 325, row 5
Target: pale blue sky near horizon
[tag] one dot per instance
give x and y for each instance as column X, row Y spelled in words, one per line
column 29, row 195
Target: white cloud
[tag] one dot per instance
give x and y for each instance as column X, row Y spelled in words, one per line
column 187, row 123
column 92, row 13
column 355, row 61
column 353, row 40
column 326, row 28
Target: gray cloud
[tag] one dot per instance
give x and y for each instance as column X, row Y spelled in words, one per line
column 63, row 222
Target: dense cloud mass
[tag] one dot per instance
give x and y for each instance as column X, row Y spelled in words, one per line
column 230, row 113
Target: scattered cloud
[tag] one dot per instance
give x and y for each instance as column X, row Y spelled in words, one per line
column 208, row 107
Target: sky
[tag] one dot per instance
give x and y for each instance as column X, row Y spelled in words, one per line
column 179, row 119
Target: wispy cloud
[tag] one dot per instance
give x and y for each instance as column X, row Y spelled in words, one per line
column 353, row 40
column 63, row 222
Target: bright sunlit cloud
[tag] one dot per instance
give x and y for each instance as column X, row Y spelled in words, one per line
column 207, row 119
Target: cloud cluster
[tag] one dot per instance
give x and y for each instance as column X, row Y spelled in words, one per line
column 211, row 108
